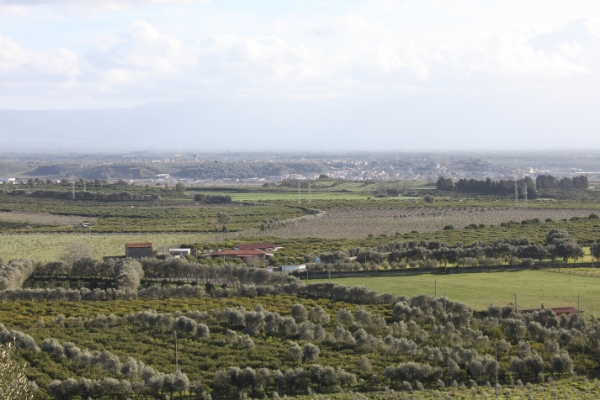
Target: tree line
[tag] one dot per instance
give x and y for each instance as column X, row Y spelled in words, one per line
column 488, row 186
column 551, row 182
column 212, row 198
column 559, row 245
column 507, row 187
column 81, row 195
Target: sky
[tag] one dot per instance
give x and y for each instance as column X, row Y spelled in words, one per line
column 528, row 70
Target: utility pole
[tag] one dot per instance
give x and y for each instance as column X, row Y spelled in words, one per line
column 84, row 189
column 176, row 359
column 525, row 194
column 496, row 346
column 516, row 196
column 444, row 301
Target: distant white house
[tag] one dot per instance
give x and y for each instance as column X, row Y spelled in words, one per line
column 287, row 268
column 180, row 252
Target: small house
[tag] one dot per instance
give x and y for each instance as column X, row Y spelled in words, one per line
column 138, row 250
column 180, row 252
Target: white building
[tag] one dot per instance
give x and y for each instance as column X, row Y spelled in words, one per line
column 287, row 268
column 177, row 253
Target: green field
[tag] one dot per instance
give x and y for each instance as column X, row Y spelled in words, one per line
column 47, row 247
column 499, row 288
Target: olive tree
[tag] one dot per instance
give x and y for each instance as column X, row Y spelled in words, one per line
column 13, row 382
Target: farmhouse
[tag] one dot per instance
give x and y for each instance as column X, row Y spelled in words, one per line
column 138, row 250
column 258, row 246
column 246, row 255
column 557, row 310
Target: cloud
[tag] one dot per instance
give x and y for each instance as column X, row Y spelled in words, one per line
column 20, row 65
column 323, row 50
column 95, row 5
column 140, row 52
column 511, row 53
column 258, row 58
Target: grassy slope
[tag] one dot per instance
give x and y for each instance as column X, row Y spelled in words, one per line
column 481, row 289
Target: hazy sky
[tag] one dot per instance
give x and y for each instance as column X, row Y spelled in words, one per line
column 542, row 56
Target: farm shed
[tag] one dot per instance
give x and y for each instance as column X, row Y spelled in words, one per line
column 138, row 250
column 556, row 310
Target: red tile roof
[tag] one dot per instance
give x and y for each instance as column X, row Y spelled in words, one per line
column 256, row 246
column 565, row 310
column 556, row 310
column 138, row 245
column 239, row 253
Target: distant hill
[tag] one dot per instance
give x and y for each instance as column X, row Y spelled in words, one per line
column 228, row 125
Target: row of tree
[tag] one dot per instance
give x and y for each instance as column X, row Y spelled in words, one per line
column 98, row 196
column 292, row 381
column 488, row 186
column 551, row 182
column 559, row 245
column 212, row 198
column 507, row 187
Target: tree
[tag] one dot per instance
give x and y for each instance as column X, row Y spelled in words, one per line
column 562, row 363
column 318, row 315
column 295, row 352
column 223, row 218
column 13, row 382
column 445, row 184
column 180, row 187
column 428, row 198
column 129, row 274
column 310, row 352
column 364, row 364
column 595, row 250
column 563, row 245
column 76, row 251
column 299, row 313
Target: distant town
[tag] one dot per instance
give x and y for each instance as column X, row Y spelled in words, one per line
column 144, row 168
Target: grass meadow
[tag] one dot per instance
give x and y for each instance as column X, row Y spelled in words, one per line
column 479, row 290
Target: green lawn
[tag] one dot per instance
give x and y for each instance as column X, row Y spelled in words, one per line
column 481, row 289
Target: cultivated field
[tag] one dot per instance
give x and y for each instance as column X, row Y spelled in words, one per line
column 360, row 222
column 48, row 247
column 40, row 218
column 479, row 290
